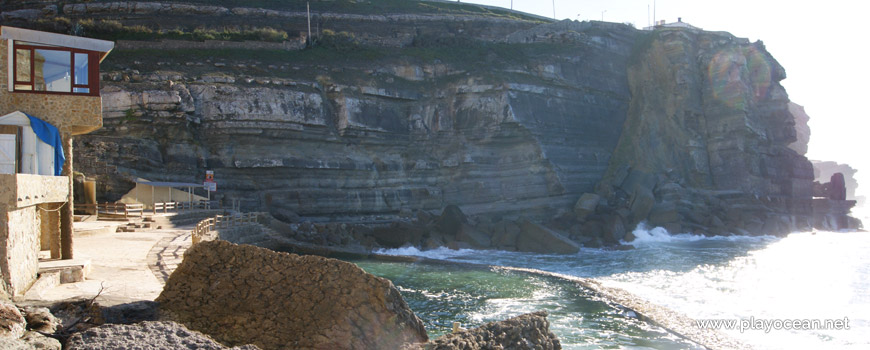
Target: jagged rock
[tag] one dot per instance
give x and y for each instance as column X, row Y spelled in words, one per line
column 451, row 220
column 539, row 239
column 614, row 229
column 147, row 335
column 398, row 234
column 12, row 323
column 801, row 127
column 242, row 294
column 524, row 332
column 642, row 202
column 586, row 205
column 663, row 213
column 471, row 235
column 837, row 189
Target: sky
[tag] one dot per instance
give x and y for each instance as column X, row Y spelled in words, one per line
column 822, row 45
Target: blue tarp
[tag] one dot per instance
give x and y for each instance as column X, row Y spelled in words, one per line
column 49, row 134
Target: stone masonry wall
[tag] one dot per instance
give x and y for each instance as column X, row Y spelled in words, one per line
column 69, row 113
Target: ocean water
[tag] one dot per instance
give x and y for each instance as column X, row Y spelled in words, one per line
column 763, row 282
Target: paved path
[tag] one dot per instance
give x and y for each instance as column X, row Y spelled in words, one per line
column 125, row 266
column 165, row 256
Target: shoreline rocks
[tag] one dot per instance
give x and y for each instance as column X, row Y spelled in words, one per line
column 243, row 294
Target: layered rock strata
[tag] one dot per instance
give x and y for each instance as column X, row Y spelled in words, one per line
column 246, row 294
column 505, row 117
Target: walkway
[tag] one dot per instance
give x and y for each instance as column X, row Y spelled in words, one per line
column 125, row 266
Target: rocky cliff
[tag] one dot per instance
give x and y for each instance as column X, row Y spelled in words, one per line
column 499, row 113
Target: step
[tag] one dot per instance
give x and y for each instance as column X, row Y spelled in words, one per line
column 71, row 270
column 46, row 281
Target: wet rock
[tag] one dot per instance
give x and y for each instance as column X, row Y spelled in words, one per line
column 471, row 235
column 539, row 239
column 586, row 205
column 614, row 229
column 663, row 213
column 148, row 335
column 524, row 332
column 242, row 294
column 642, row 202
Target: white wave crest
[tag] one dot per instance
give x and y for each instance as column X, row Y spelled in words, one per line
column 645, row 235
column 441, row 253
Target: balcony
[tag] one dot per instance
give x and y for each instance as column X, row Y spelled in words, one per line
column 24, row 190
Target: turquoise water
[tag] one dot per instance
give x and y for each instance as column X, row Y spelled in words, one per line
column 443, row 294
column 805, row 276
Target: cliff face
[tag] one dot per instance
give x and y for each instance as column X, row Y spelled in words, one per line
column 500, row 115
column 370, row 138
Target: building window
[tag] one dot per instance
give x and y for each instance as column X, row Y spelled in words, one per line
column 52, row 69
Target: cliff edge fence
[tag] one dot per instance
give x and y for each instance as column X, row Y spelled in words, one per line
column 419, row 106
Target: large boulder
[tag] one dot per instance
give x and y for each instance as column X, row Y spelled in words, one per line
column 242, row 294
column 505, row 234
column 586, row 205
column 148, row 335
column 476, row 238
column 398, row 234
column 539, row 239
column 451, row 220
column 524, row 332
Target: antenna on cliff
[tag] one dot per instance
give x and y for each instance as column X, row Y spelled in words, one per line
column 554, row 10
column 308, row 9
column 654, row 11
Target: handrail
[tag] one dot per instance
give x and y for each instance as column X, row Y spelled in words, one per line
column 125, row 209
column 223, row 221
column 167, row 206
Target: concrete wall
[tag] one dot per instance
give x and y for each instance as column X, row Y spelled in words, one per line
column 19, row 249
column 23, row 226
column 69, row 113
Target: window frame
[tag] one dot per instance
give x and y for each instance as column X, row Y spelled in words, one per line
column 93, row 74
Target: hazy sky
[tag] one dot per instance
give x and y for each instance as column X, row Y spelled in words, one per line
column 823, row 46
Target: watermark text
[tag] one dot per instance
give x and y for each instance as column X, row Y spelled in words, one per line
column 752, row 323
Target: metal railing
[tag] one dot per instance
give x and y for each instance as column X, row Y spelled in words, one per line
column 223, row 221
column 168, row 206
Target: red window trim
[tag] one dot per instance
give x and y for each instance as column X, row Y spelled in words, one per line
column 93, row 70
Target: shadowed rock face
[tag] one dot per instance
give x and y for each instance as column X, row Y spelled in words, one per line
column 241, row 294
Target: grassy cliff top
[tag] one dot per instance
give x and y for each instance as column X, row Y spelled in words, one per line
column 368, row 7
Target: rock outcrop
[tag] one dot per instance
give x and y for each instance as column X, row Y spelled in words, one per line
column 524, row 332
column 242, row 294
column 801, row 127
column 147, row 335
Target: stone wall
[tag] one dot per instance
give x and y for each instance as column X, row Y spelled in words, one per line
column 19, row 236
column 69, row 113
column 242, row 294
